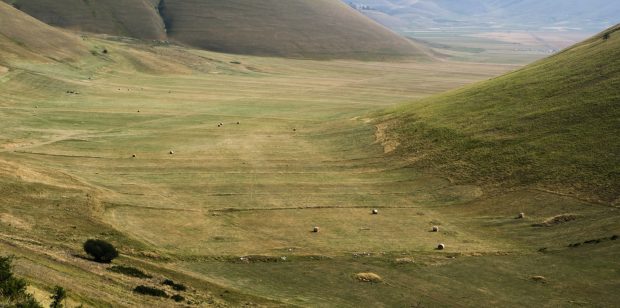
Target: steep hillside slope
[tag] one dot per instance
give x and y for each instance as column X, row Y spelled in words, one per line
column 300, row 28
column 294, row 28
column 135, row 18
column 552, row 125
column 23, row 37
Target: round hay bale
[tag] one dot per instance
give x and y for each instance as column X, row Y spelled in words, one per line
column 133, row 155
column 294, row 129
column 375, row 212
column 541, row 279
column 441, row 246
column 171, row 152
column 368, row 277
column 238, row 123
column 435, row 228
column 315, row 229
column 521, row 215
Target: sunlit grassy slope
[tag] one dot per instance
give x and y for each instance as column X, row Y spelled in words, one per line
column 230, row 213
column 551, row 125
column 135, row 18
column 23, row 37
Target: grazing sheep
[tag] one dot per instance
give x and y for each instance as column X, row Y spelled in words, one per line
column 315, row 230
column 521, row 215
column 435, row 228
column 441, row 246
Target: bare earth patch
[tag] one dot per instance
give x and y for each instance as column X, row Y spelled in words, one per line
column 13, row 221
column 557, row 220
column 389, row 145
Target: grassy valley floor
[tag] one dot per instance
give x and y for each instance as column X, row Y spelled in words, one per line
column 264, row 149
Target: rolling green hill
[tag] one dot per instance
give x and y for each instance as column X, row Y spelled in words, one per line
column 134, row 18
column 23, row 37
column 552, row 125
column 295, row 28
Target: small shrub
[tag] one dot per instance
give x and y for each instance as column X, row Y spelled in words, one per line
column 100, row 250
column 145, row 290
column 58, row 297
column 606, row 36
column 175, row 286
column 129, row 271
column 178, row 298
column 13, row 289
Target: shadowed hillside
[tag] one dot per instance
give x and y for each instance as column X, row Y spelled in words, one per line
column 295, row 28
column 23, row 37
column 298, row 28
column 552, row 125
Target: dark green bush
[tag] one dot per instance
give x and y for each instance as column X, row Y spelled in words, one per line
column 175, row 286
column 178, row 298
column 146, row 290
column 100, row 250
column 129, row 271
column 59, row 295
column 13, row 289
